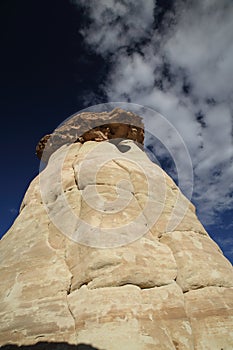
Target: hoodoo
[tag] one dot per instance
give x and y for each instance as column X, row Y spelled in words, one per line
column 107, row 251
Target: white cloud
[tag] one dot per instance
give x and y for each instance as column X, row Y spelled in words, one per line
column 134, row 74
column 116, row 23
column 182, row 68
column 202, row 44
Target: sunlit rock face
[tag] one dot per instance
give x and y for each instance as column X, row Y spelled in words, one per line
column 106, row 251
column 88, row 126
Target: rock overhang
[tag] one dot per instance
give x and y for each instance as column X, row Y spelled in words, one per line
column 90, row 126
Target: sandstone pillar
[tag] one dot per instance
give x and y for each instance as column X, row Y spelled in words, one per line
column 98, row 255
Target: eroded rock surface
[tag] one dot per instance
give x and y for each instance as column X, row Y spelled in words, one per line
column 161, row 284
column 87, row 126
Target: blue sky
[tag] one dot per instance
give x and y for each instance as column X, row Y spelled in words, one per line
column 175, row 57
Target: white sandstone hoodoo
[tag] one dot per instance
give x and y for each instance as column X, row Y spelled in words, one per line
column 107, row 251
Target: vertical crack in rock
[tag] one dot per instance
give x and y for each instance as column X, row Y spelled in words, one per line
column 72, row 315
column 67, row 265
column 63, row 256
column 68, row 291
column 133, row 194
column 189, row 319
column 75, row 179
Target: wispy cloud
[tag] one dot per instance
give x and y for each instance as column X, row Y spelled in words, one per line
column 179, row 62
column 113, row 23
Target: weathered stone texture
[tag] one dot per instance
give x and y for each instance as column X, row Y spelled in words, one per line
column 170, row 288
column 89, row 126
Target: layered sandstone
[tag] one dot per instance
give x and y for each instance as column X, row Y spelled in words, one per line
column 87, row 126
column 107, row 251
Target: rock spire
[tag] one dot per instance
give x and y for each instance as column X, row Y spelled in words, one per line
column 107, row 251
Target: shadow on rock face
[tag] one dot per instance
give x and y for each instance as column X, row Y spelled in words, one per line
column 49, row 346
